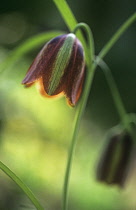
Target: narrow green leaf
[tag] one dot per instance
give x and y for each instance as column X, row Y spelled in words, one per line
column 70, row 20
column 66, row 14
column 22, row 185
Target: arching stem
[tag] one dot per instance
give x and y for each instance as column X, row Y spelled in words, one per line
column 80, row 109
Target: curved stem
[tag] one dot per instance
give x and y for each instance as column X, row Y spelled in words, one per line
column 80, row 110
column 117, row 35
column 90, row 74
column 18, row 181
column 89, row 51
column 71, row 22
column 114, row 90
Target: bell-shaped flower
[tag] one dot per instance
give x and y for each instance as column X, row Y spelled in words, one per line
column 59, row 68
column 115, row 159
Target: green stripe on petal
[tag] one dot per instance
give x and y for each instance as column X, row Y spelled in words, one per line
column 61, row 63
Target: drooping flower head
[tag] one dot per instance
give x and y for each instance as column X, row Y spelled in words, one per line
column 115, row 160
column 59, row 68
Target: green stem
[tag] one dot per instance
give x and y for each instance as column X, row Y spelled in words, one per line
column 89, row 51
column 71, row 22
column 117, row 35
column 88, row 83
column 26, row 190
column 114, row 91
column 80, row 110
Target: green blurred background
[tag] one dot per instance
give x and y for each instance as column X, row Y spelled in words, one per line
column 35, row 132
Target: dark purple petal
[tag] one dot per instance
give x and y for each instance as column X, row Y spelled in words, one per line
column 114, row 162
column 59, row 68
column 72, row 80
column 41, row 66
column 76, row 75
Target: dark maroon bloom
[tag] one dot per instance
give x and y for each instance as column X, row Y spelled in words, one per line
column 59, row 68
column 114, row 162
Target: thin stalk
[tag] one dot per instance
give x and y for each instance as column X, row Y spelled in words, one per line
column 114, row 91
column 89, row 51
column 117, row 35
column 76, row 125
column 80, row 111
column 125, row 118
column 21, row 184
column 70, row 21
column 88, row 83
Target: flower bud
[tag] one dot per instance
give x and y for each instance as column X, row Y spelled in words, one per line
column 59, row 68
column 114, row 162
